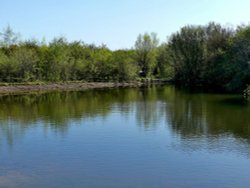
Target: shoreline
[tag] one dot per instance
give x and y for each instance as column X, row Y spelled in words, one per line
column 64, row 86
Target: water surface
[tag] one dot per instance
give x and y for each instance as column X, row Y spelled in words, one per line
column 143, row 137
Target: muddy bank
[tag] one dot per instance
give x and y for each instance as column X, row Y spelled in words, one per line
column 25, row 88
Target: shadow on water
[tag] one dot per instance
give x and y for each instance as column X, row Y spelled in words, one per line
column 237, row 101
column 209, row 113
column 215, row 122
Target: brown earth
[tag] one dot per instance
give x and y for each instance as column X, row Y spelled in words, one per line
column 25, row 88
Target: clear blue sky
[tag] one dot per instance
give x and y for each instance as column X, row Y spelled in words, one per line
column 115, row 23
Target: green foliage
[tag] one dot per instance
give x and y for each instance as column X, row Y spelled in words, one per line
column 8, row 70
column 164, row 67
column 8, row 37
column 210, row 56
column 239, row 58
column 217, row 68
column 31, row 61
column 187, row 52
column 146, row 52
column 124, row 65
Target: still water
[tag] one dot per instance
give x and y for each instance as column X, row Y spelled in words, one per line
column 143, row 137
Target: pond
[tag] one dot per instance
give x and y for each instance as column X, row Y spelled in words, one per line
column 134, row 137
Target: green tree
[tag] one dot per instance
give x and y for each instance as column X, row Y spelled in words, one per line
column 217, row 64
column 8, row 37
column 125, row 65
column 146, row 52
column 188, row 53
column 164, row 66
column 26, row 61
column 239, row 56
column 56, row 60
column 9, row 69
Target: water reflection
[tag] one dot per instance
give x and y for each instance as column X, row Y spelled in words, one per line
column 192, row 116
column 207, row 114
column 218, row 123
column 142, row 137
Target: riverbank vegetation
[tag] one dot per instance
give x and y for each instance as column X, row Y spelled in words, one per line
column 213, row 57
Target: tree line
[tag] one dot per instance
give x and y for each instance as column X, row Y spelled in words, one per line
column 212, row 56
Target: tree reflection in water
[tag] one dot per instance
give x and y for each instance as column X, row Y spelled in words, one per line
column 191, row 116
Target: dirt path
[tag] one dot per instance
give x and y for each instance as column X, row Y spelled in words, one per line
column 24, row 88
